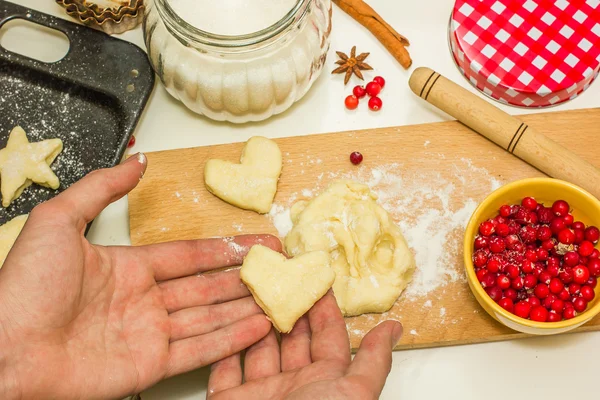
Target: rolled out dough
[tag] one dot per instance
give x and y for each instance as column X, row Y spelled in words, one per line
column 367, row 251
column 252, row 184
column 286, row 289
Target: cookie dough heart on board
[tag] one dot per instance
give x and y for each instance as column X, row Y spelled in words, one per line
column 286, row 289
column 252, row 183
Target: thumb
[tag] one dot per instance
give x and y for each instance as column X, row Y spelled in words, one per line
column 85, row 199
column 373, row 361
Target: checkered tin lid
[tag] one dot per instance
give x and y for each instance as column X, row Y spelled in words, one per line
column 527, row 53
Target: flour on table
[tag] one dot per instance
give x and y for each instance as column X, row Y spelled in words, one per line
column 281, row 219
column 414, row 332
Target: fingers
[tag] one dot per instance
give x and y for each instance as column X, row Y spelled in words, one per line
column 262, row 359
column 195, row 352
column 373, row 361
column 295, row 346
column 224, row 374
column 329, row 335
column 85, row 199
column 184, row 258
column 204, row 319
column 205, row 289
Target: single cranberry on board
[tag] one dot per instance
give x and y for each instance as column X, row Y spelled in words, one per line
column 351, row 102
column 359, row 91
column 375, row 103
column 380, row 81
column 356, row 158
column 373, row 89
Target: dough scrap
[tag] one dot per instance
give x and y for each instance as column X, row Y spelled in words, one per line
column 286, row 289
column 23, row 163
column 9, row 233
column 369, row 255
column 252, row 184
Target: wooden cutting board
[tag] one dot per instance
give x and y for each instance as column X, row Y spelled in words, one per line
column 442, row 170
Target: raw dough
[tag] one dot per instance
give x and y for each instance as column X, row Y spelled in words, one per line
column 9, row 233
column 252, row 184
column 22, row 163
column 369, row 255
column 286, row 289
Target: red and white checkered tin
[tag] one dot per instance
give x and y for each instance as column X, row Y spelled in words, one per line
column 528, row 53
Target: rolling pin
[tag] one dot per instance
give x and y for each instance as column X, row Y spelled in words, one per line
column 505, row 130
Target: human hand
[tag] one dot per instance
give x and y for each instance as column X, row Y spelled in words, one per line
column 86, row 321
column 313, row 362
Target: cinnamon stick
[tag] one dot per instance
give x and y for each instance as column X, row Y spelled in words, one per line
column 394, row 42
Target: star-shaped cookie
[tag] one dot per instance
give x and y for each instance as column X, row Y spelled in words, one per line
column 22, row 163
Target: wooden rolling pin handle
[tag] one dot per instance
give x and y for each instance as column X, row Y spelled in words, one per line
column 505, row 130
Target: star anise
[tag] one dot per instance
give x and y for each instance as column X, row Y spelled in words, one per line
column 353, row 64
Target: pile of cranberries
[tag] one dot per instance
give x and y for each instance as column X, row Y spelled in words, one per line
column 537, row 262
column 372, row 89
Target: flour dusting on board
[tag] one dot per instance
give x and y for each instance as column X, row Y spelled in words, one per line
column 429, row 209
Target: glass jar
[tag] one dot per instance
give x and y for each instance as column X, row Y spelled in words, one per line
column 239, row 78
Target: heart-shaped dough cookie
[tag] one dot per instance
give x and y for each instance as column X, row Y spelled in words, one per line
column 252, row 184
column 286, row 289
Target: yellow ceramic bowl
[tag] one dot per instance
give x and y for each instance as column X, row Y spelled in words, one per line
column 586, row 208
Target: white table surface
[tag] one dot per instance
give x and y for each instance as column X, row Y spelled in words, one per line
column 550, row 368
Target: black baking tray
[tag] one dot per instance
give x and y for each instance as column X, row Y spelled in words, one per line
column 92, row 99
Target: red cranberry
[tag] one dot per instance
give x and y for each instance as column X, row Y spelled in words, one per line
column 553, row 262
column 544, row 233
column 359, row 91
column 592, row 282
column 539, row 314
column 527, row 267
column 493, row 266
column 534, row 301
column 351, row 102
column 549, row 300
column 592, row 234
column 574, row 288
column 511, row 241
column 584, row 260
column 506, row 211
column 512, row 271
column 481, row 274
column 522, row 309
column 580, row 304
column 595, row 254
column 557, row 225
column 594, row 267
column 548, row 244
column 486, row 228
column 558, row 305
column 569, row 219
column 541, row 291
column 356, row 158
column 545, row 215
column 581, row 274
column 131, row 142
column 586, row 248
column 373, row 88
column 566, row 275
column 545, row 277
column 502, row 229
column 578, row 225
column 517, row 283
column 511, row 294
column 503, row 282
column 529, row 203
column 571, row 258
column 481, row 242
column 531, row 255
column 538, row 269
column 494, row 292
column 380, row 81
column 528, row 234
column 579, row 236
column 587, row 293
column 375, row 103
column 560, row 208
column 556, row 285
column 564, row 295
column 497, row 245
column 507, row 304
column 488, row 281
column 566, row 236
column 529, row 281
column 541, row 254
column 554, row 317
column 553, row 270
column 569, row 313
column 513, row 227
